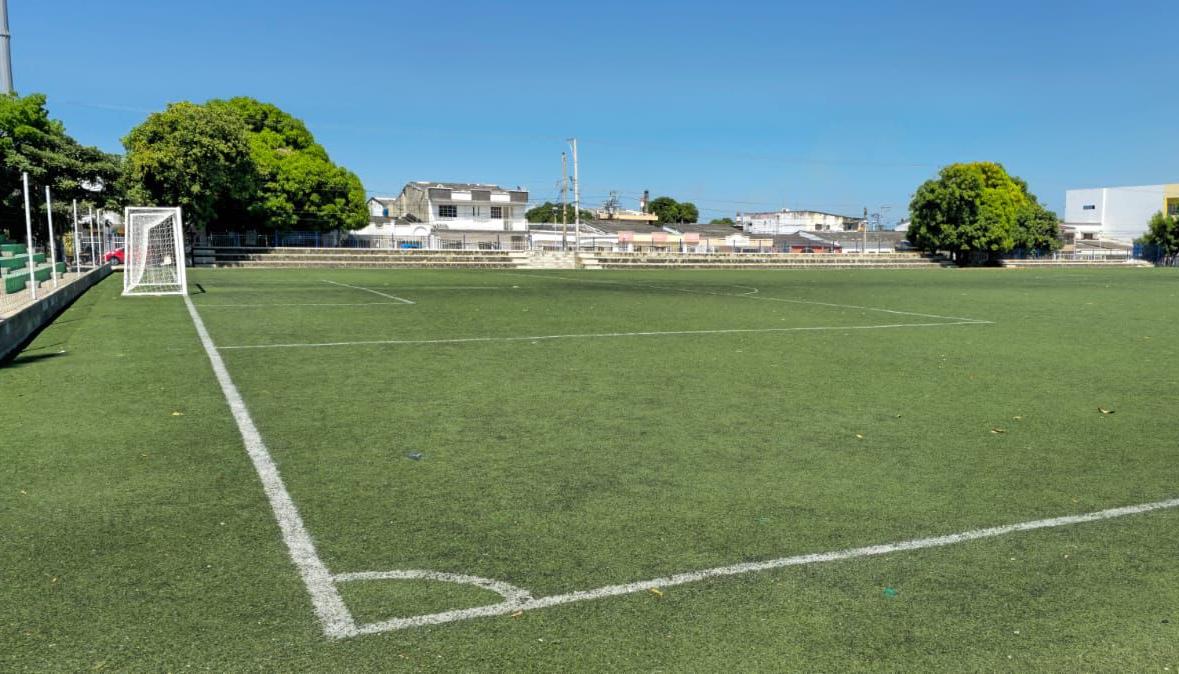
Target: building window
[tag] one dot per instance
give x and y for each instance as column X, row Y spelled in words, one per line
column 447, row 211
column 1089, row 207
column 475, row 210
column 497, row 212
column 1088, row 236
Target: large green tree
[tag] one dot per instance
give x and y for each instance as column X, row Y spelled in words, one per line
column 299, row 186
column 193, row 156
column 977, row 212
column 240, row 163
column 671, row 211
column 550, row 212
column 32, row 142
column 1163, row 233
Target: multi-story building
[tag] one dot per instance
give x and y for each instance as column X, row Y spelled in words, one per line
column 463, row 206
column 787, row 221
column 1117, row 213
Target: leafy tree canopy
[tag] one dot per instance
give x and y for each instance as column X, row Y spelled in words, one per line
column 1163, row 232
column 32, row 142
column 193, row 156
column 550, row 212
column 242, row 163
column 978, row 210
column 721, row 221
column 671, row 211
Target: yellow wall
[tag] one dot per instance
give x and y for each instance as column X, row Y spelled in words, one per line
column 1171, row 199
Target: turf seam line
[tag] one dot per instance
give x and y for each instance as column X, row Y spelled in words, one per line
column 370, row 290
column 511, row 605
column 599, row 335
column 334, row 616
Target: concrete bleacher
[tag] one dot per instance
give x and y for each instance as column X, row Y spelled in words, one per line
column 663, row 260
column 277, row 258
column 14, row 268
column 1079, row 262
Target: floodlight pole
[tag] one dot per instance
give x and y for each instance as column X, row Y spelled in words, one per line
column 29, row 239
column 52, row 243
column 77, row 242
column 5, row 51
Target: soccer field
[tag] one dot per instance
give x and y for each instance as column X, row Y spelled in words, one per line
column 679, row 470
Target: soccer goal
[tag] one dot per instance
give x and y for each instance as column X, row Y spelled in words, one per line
column 153, row 255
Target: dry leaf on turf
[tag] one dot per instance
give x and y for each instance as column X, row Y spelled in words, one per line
column 1104, row 411
column 998, row 430
column 656, row 591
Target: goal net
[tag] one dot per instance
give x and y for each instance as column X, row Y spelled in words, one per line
column 153, row 254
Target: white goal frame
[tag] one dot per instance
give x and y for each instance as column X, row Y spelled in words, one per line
column 170, row 279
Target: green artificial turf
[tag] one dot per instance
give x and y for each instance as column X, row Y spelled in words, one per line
column 135, row 535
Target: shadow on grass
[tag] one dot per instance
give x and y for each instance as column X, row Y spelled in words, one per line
column 30, row 359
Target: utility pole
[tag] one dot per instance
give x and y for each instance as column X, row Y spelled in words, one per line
column 5, row 51
column 864, row 229
column 564, row 202
column 576, row 201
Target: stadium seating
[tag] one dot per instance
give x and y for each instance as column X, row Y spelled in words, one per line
column 270, row 258
column 661, row 260
column 14, row 267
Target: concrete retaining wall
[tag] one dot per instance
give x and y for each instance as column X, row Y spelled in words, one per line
column 21, row 327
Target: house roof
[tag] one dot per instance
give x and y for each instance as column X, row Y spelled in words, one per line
column 426, row 184
column 763, row 214
column 705, row 229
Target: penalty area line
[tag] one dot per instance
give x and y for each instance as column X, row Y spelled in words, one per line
column 518, row 602
column 370, row 290
column 598, row 335
column 308, row 304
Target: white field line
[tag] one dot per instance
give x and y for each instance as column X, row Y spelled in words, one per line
column 595, row 335
column 329, row 606
column 755, row 296
column 370, row 290
column 517, row 602
column 309, row 304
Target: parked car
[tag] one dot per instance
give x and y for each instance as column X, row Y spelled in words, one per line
column 115, row 256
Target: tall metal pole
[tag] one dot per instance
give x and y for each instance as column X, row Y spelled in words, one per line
column 29, row 239
column 101, row 236
column 5, row 51
column 52, row 241
column 564, row 202
column 77, row 242
column 576, row 201
column 93, row 241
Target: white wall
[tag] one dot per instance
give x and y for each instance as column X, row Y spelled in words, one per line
column 1122, row 212
column 467, row 219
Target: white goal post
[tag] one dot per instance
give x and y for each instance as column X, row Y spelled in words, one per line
column 153, row 253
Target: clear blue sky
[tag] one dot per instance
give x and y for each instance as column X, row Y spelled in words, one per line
column 733, row 105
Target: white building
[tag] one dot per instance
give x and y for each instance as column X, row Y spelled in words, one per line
column 464, row 206
column 787, row 221
column 1117, row 213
